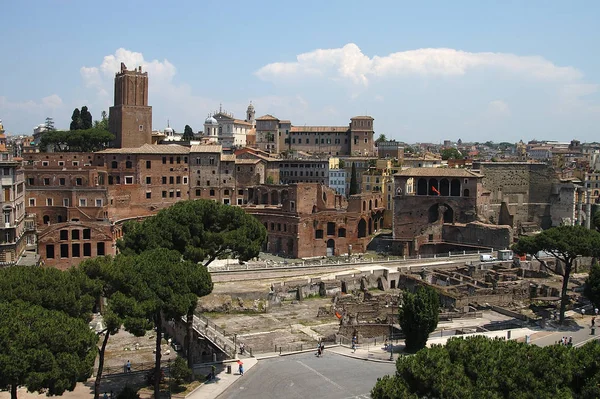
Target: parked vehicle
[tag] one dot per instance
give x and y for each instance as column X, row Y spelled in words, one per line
column 486, row 258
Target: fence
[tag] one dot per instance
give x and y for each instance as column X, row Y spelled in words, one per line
column 354, row 260
column 135, row 368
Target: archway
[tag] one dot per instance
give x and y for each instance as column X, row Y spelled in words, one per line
column 274, row 198
column 422, row 187
column 433, row 187
column 46, row 219
column 362, row 228
column 370, row 204
column 448, row 214
column 330, row 247
column 445, row 187
column 466, row 192
column 264, row 200
column 455, row 188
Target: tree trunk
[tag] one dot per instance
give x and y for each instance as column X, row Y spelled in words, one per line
column 563, row 292
column 158, row 356
column 188, row 338
column 13, row 391
column 100, row 366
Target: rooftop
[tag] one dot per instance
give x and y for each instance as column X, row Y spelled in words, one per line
column 330, row 129
column 149, row 149
column 206, row 148
column 437, row 172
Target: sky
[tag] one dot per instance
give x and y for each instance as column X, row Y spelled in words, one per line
column 427, row 71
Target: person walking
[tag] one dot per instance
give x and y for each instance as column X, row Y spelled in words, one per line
column 241, row 369
column 128, row 366
column 322, row 348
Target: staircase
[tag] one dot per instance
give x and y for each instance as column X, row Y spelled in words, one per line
column 214, row 334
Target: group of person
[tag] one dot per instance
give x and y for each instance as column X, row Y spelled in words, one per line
column 107, row 396
column 566, row 341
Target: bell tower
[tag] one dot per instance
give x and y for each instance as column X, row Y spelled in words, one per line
column 250, row 113
column 130, row 118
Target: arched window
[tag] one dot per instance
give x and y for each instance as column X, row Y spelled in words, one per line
column 433, row 187
column 362, row 228
column 444, row 187
column 466, row 192
column 114, row 164
column 46, row 219
column 455, row 188
column 422, row 187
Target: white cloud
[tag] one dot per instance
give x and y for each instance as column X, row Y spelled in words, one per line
column 351, row 64
column 30, row 110
column 497, row 108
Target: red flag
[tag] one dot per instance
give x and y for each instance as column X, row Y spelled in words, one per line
column 339, row 316
column 435, row 190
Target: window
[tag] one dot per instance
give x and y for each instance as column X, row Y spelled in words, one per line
column 226, row 192
column 171, row 160
column 341, row 232
column 164, row 180
column 148, row 164
column 318, row 233
column 78, row 181
column 44, row 163
column 49, row 201
column 30, row 181
column 178, row 159
column 87, row 234
column 208, row 182
column 171, row 180
column 148, row 194
column 164, row 194
column 171, row 193
column 82, row 202
column 46, row 181
column 164, row 160
column 100, row 249
column 64, row 250
column 198, row 192
column 178, row 193
column 74, row 234
column 87, row 249
column 185, row 180
column 98, row 202
column 212, row 193
column 61, row 163
column 148, row 180
column 114, row 164
column 128, row 164
column 240, row 192
column 128, row 179
column 31, row 201
column 64, row 235
column 61, row 181
column 65, row 202
column 226, row 201
column 50, row 251
column 75, row 163
column 141, row 128
column 178, row 180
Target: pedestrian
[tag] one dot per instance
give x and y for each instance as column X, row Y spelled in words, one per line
column 105, row 395
column 213, row 372
column 593, row 322
column 241, row 369
column 322, row 348
column 596, row 311
column 570, row 341
column 128, row 366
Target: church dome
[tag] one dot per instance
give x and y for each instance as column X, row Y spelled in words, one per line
column 169, row 131
column 210, row 121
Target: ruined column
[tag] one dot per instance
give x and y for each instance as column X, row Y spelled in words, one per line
column 580, row 194
column 588, row 209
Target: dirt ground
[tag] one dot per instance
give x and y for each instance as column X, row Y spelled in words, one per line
column 291, row 325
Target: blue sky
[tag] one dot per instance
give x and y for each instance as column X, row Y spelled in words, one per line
column 426, row 71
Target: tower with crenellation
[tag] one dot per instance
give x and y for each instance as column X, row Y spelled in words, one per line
column 130, row 118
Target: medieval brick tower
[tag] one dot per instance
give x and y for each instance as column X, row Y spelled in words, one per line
column 130, row 119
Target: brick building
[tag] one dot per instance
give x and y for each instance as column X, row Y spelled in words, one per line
column 66, row 192
column 130, row 118
column 309, row 219
column 427, row 198
column 304, row 171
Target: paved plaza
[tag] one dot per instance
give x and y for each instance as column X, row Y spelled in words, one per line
column 307, row 376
